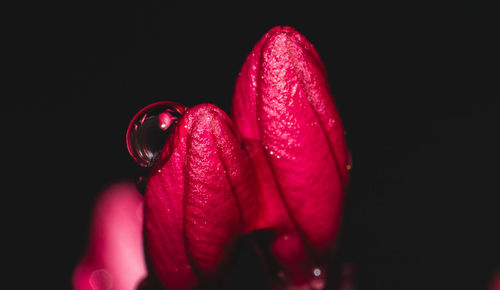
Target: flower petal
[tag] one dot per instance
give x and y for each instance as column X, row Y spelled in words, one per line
column 283, row 103
column 200, row 200
column 285, row 115
column 115, row 258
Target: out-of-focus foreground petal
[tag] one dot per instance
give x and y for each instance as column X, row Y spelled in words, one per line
column 115, row 257
column 285, row 114
column 199, row 200
column 495, row 283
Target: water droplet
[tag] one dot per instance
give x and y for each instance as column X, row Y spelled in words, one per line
column 349, row 160
column 319, row 280
column 149, row 131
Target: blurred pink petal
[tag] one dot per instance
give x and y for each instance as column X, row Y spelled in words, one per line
column 115, row 257
column 495, row 284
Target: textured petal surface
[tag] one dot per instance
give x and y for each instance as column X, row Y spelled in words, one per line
column 193, row 201
column 282, row 103
column 115, row 258
column 285, row 114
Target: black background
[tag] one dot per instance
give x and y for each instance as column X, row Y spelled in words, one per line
column 416, row 86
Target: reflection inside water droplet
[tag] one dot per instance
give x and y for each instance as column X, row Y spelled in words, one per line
column 149, row 130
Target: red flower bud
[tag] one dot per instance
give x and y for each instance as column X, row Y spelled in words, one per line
column 115, row 257
column 198, row 199
column 285, row 114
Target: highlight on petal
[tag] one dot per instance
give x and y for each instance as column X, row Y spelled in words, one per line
column 285, row 114
column 115, row 257
column 199, row 200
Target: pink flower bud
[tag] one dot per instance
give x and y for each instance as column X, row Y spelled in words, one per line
column 198, row 200
column 115, row 257
column 285, row 114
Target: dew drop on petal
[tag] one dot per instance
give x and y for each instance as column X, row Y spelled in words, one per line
column 319, row 279
column 149, row 130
